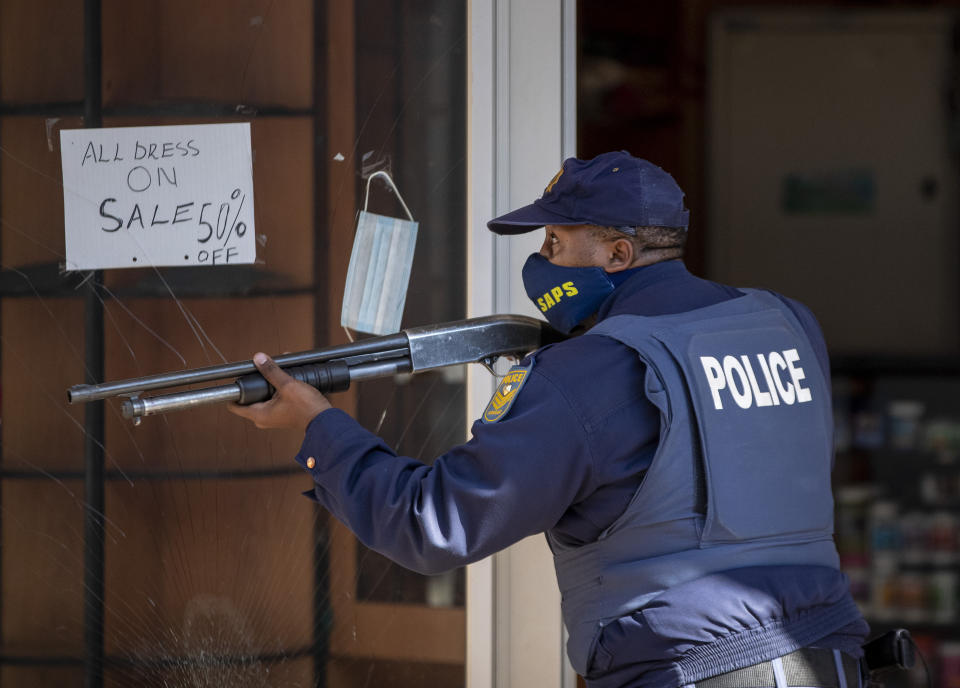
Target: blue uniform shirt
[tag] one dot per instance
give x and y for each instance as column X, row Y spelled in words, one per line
column 567, row 457
column 569, row 454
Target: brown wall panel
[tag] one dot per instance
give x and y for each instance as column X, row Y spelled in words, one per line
column 42, row 561
column 284, row 188
column 244, row 51
column 204, row 438
column 41, row 677
column 350, row 673
column 281, row 674
column 365, row 630
column 42, row 355
column 341, row 175
column 41, row 44
column 221, row 568
column 132, row 51
column 31, row 191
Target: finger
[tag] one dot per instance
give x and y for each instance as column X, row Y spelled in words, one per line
column 258, row 414
column 247, row 412
column 270, row 370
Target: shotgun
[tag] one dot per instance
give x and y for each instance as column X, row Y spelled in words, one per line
column 332, row 369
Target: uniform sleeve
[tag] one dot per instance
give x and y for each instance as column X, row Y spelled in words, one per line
column 514, row 478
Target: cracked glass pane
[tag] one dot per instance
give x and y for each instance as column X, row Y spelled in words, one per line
column 214, row 570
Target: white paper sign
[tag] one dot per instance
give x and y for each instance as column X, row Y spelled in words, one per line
column 144, row 196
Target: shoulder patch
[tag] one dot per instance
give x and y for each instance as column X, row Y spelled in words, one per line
column 506, row 393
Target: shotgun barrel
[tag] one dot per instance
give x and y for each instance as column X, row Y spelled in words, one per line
column 477, row 340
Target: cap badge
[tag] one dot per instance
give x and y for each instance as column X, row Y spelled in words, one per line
column 553, row 182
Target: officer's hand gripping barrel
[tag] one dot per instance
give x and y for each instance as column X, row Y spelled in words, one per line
column 478, row 340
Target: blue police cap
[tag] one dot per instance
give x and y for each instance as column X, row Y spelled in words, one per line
column 611, row 190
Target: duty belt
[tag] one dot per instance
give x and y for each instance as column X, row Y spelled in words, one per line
column 805, row 668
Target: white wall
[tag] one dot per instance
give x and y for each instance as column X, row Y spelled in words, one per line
column 839, row 99
column 521, row 125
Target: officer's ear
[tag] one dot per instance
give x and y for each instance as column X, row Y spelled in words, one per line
column 620, row 256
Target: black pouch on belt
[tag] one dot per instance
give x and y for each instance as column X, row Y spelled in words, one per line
column 892, row 651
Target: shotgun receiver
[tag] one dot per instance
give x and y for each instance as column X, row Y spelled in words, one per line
column 332, row 369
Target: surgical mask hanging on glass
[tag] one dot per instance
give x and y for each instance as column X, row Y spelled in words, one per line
column 379, row 270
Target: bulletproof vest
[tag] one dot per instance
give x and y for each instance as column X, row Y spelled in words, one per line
column 741, row 475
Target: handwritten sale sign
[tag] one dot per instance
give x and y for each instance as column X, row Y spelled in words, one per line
column 152, row 196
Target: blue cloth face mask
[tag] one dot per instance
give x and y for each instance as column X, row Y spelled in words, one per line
column 379, row 269
column 568, row 296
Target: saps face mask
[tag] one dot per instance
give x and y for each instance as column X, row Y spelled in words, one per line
column 566, row 296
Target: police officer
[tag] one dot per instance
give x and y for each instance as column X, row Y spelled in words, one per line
column 677, row 455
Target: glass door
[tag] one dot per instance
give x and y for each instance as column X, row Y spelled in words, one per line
column 215, row 571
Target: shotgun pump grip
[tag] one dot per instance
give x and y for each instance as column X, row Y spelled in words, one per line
column 333, row 376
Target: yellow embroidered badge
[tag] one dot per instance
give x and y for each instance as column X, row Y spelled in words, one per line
column 506, row 393
column 553, row 182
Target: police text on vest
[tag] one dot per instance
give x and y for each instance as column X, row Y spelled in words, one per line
column 739, row 377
